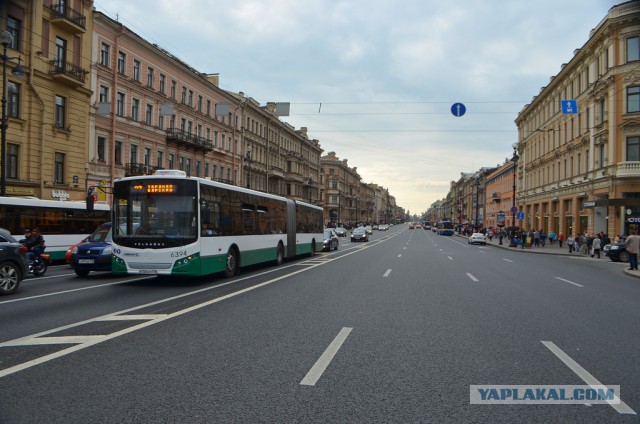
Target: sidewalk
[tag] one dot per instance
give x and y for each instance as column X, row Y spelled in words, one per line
column 551, row 249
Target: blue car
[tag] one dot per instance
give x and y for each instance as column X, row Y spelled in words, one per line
column 94, row 254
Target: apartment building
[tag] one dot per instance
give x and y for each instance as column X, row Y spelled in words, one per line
column 47, row 110
column 579, row 168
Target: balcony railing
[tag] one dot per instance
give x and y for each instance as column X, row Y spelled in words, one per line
column 628, row 169
column 67, row 72
column 133, row 169
column 496, row 197
column 189, row 140
column 63, row 14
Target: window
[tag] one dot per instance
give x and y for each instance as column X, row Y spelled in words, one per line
column 147, row 156
column 633, row 149
column 60, row 58
column 104, row 55
column 206, row 169
column 13, row 100
column 122, row 63
column 198, row 166
column 173, row 89
column 104, row 94
column 208, row 107
column 200, row 104
column 118, row 153
column 190, row 97
column 14, row 27
column 633, row 99
column 188, row 169
column 181, row 160
column 633, row 49
column 135, row 109
column 120, row 104
column 160, row 160
column 160, row 121
column 59, row 168
column 184, row 95
column 162, row 82
column 149, row 115
column 136, row 70
column 12, row 160
column 60, row 111
column 150, row 72
column 102, row 142
column 601, row 157
column 171, row 161
column 133, row 154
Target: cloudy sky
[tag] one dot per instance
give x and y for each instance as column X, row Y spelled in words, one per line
column 375, row 80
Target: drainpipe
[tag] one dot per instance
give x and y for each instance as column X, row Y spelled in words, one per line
column 38, row 96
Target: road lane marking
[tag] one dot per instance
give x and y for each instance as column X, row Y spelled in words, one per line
column 616, row 403
column 508, row 260
column 386, row 274
column 570, row 282
column 322, row 363
column 472, row 277
column 450, row 258
column 400, row 255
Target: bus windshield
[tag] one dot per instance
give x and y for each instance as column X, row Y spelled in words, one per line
column 155, row 209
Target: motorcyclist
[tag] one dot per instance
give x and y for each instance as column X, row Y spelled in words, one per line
column 34, row 243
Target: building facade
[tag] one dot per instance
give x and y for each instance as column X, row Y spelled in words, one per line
column 579, row 169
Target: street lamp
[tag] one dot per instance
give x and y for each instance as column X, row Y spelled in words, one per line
column 249, row 161
column 7, row 39
column 514, row 159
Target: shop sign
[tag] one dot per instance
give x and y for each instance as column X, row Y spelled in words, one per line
column 60, row 194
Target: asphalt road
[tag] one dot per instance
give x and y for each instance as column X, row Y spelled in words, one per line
column 394, row 330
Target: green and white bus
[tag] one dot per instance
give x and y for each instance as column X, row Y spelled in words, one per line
column 62, row 223
column 174, row 225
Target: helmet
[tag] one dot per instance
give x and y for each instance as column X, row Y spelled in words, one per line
column 27, row 230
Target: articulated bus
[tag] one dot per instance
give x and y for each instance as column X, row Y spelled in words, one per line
column 169, row 224
column 62, row 223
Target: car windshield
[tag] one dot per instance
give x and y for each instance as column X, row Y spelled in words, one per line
column 102, row 233
column 327, row 234
column 359, row 230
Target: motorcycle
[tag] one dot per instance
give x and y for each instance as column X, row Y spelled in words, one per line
column 38, row 266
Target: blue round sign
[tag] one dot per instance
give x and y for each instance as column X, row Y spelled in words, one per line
column 458, row 109
column 514, row 209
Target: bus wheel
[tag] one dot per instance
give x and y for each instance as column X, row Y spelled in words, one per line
column 313, row 248
column 232, row 263
column 280, row 255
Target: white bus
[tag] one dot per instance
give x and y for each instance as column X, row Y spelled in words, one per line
column 62, row 224
column 174, row 225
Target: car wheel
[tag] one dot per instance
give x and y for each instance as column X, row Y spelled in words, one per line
column 231, row 267
column 624, row 256
column 10, row 277
column 81, row 272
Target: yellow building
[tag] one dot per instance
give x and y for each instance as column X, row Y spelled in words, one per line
column 579, row 139
column 47, row 110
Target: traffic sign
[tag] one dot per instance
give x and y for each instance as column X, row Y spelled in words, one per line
column 569, row 107
column 458, row 109
column 514, row 209
column 520, row 215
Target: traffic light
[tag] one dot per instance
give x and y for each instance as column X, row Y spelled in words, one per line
column 91, row 198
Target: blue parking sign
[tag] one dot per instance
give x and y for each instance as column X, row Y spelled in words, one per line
column 520, row 215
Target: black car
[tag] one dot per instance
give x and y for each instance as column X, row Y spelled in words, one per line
column 618, row 252
column 13, row 263
column 359, row 234
column 330, row 240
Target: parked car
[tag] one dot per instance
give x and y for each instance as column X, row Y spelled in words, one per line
column 341, row 232
column 95, row 253
column 13, row 263
column 359, row 234
column 330, row 240
column 618, row 252
column 478, row 238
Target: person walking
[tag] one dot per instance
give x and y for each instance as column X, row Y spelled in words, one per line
column 633, row 245
column 561, row 239
column 570, row 242
column 595, row 246
column 552, row 236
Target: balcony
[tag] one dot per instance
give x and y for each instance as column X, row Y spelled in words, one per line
column 628, row 170
column 68, row 19
column 133, row 169
column 66, row 72
column 188, row 140
column 496, row 197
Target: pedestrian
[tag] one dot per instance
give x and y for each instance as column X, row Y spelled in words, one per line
column 552, row 236
column 560, row 239
column 570, row 242
column 536, row 238
column 543, row 238
column 595, row 246
column 633, row 245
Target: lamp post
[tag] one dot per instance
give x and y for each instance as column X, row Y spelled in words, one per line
column 249, row 161
column 19, row 72
column 514, row 159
